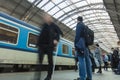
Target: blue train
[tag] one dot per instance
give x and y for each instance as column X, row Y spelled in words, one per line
column 18, row 45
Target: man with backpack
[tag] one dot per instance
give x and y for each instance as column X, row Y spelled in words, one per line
column 83, row 39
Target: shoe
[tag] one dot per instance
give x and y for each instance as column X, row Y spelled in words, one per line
column 47, row 78
column 99, row 72
column 77, row 79
column 87, row 79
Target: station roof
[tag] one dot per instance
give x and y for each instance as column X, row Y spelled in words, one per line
column 113, row 8
column 94, row 12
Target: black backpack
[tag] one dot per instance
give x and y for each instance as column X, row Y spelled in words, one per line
column 89, row 36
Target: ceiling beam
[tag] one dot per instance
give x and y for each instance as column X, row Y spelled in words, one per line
column 86, row 18
column 78, row 8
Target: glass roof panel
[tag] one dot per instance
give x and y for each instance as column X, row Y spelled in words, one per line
column 80, row 4
column 67, row 9
column 42, row 3
column 57, row 1
column 58, row 14
column 75, row 16
column 48, row 6
column 76, row 1
column 68, row 20
column 54, row 10
column 62, row 5
column 94, row 1
column 71, row 23
column 31, row 1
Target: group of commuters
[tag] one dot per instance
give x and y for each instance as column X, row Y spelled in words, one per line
column 102, row 58
column 49, row 38
column 109, row 60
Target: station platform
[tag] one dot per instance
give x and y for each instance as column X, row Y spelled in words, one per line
column 59, row 75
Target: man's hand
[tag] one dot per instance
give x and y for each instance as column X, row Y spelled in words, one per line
column 55, row 42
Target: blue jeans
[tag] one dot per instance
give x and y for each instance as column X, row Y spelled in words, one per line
column 85, row 66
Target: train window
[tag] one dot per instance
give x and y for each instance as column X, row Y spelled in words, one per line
column 73, row 51
column 32, row 41
column 8, row 34
column 65, row 49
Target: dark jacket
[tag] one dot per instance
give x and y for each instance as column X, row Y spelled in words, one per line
column 48, row 34
column 80, row 35
column 115, row 56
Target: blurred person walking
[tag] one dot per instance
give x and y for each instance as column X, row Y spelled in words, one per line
column 105, row 59
column 98, row 55
column 48, row 40
column 111, row 57
column 92, row 57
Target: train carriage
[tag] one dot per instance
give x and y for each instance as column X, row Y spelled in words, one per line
column 18, row 45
